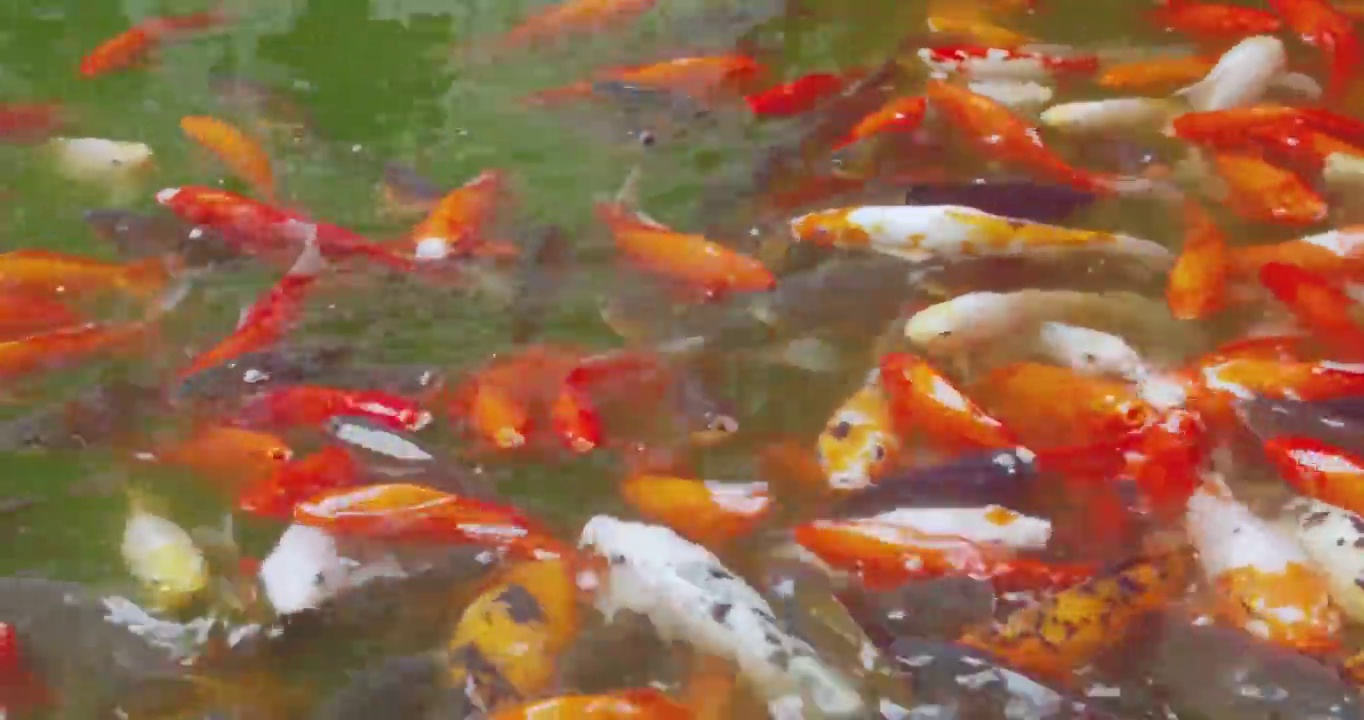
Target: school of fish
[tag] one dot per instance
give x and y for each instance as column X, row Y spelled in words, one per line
column 1073, row 470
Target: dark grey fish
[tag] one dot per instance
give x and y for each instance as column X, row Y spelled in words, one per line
column 939, row 609
column 963, row 683
column 858, row 295
column 544, row 269
column 92, row 416
column 410, row 687
column 136, row 235
column 1010, row 198
column 1221, row 673
column 251, row 372
column 1002, row 476
column 1324, row 421
column 409, row 188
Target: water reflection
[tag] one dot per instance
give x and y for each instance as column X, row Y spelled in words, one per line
column 367, row 78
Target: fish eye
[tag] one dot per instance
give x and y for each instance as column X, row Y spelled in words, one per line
column 879, row 452
column 944, row 333
column 723, row 423
column 319, row 579
column 1091, row 358
column 647, row 138
column 279, row 454
column 841, row 431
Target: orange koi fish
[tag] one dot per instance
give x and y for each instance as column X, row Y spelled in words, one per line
column 574, row 16
column 1074, row 626
column 997, row 132
column 24, row 313
column 1156, row 75
column 240, row 153
column 270, row 318
column 420, row 514
column 703, row 511
column 1319, row 305
column 57, row 348
column 1165, row 459
column 574, row 420
column 295, row 481
column 1233, row 127
column 1275, row 379
column 885, row 555
column 1048, row 406
column 1264, row 581
column 700, row 77
column 977, row 30
column 1320, row 25
column 43, row 271
column 1319, row 470
column 1214, row 21
column 508, row 642
column 1259, row 191
column 859, row 442
column 690, row 259
column 904, row 114
column 641, row 704
column 227, row 454
column 1336, row 255
column 792, row 98
column 922, row 399
column 1197, row 284
column 455, row 225
column 497, row 402
column 135, row 44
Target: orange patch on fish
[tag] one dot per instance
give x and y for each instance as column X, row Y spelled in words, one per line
column 1291, row 607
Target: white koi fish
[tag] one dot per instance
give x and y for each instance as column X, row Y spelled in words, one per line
column 1334, row 538
column 1241, row 76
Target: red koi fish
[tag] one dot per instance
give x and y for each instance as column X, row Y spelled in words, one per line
column 979, row 61
column 270, row 318
column 1234, row 127
column 796, row 97
column 690, row 259
column 574, row 16
column 997, row 132
column 1319, row 305
column 1166, row 458
column 498, row 403
column 923, row 400
column 420, row 514
column 1214, row 21
column 295, row 481
column 1197, row 284
column 27, row 122
column 641, row 704
column 1322, row 26
column 1319, row 470
column 136, row 44
column 303, row 405
column 23, row 313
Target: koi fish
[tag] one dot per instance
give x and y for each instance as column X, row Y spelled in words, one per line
column 689, row 595
column 1334, row 254
column 690, row 259
column 700, row 77
column 162, row 556
column 999, row 134
column 1214, row 21
column 1247, row 377
column 903, row 114
column 43, row 271
column 703, row 511
column 1332, row 537
column 573, row 16
column 295, row 481
column 1017, row 199
column 25, row 313
column 509, row 639
column 497, row 402
column 977, row 30
column 115, row 164
column 135, row 44
column 294, row 405
column 1265, row 583
column 405, row 191
column 27, row 122
column 992, row 475
column 973, row 319
column 1319, row 470
column 303, row 570
column 859, row 442
column 456, row 223
column 997, row 63
column 1241, row 76
column 1197, row 284
column 417, row 513
column 241, row 154
column 644, row 704
column 923, row 233
column 1260, row 191
column 1320, row 25
column 921, row 399
column 792, row 98
column 228, row 454
column 1049, row 407
column 1075, row 625
column 1156, row 74
column 64, row 345
column 1318, row 304
column 1021, row 96
column 1115, row 114
column 270, row 318
column 1090, row 351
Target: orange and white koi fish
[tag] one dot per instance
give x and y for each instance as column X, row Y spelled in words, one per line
column 573, row 17
column 1319, row 470
column 1241, row 76
column 1197, row 283
column 1115, row 114
column 690, row 259
column 923, row 233
column 271, row 317
column 1333, row 536
column 456, row 224
column 990, row 524
column 984, row 62
column 922, row 400
column 704, row 511
column 239, row 152
column 689, row 595
column 1091, row 351
column 977, row 30
column 859, row 442
column 1322, row 26
column 1259, row 190
column 135, row 44
column 999, row 134
column 641, row 704
column 295, row 481
column 1265, row 583
column 1075, row 625
column 1021, row 96
column 971, row 319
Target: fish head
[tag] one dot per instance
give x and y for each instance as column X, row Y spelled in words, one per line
column 854, row 449
column 303, row 570
column 830, row 228
column 175, row 573
column 955, row 323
